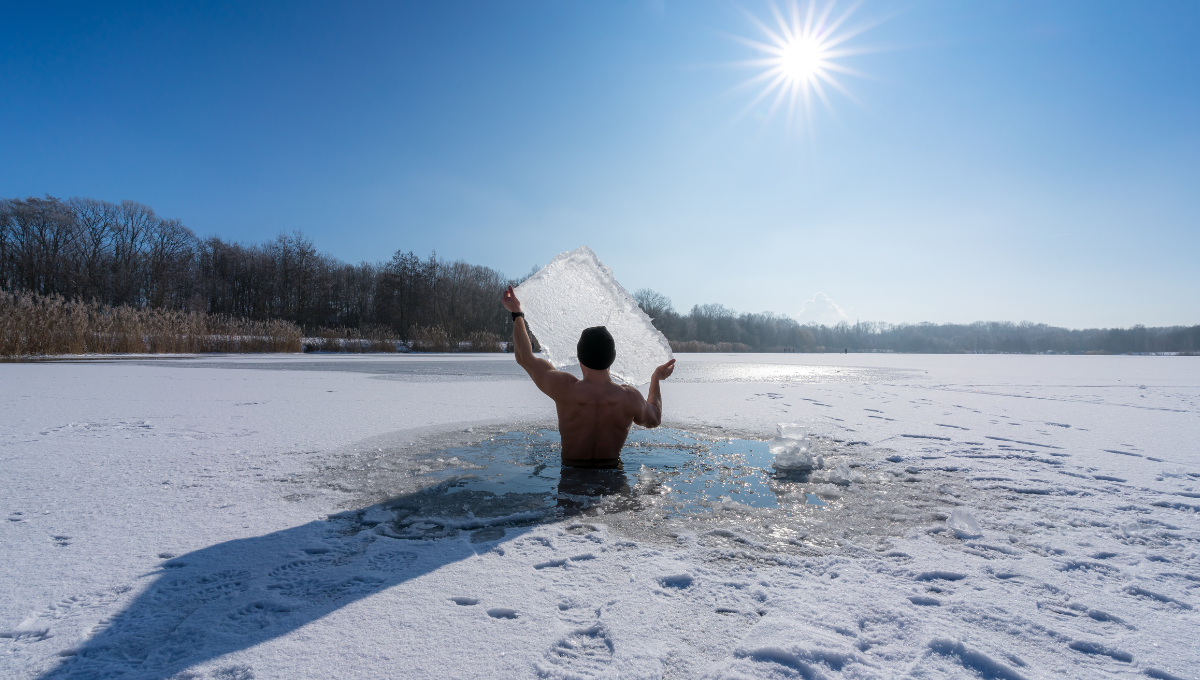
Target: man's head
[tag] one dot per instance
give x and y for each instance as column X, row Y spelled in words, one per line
column 596, row 349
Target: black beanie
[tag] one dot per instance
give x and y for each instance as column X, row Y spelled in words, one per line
column 596, row 348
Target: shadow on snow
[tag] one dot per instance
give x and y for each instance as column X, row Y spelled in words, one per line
column 240, row 593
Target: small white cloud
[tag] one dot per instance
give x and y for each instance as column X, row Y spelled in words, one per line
column 822, row 310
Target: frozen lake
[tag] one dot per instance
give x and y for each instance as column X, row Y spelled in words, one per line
column 337, row 515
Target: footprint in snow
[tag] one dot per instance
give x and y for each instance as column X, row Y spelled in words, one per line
column 240, row 672
column 584, row 557
column 315, row 590
column 940, row 576
column 577, row 612
column 184, row 592
column 922, row 601
column 252, row 616
column 391, row 560
column 69, row 608
column 1097, row 648
column 676, row 581
column 583, row 653
column 945, row 655
column 300, row 568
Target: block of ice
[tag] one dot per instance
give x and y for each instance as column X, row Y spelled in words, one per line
column 791, row 454
column 783, row 447
column 843, row 475
column 792, row 448
column 840, row 475
column 827, row 491
column 647, row 478
column 576, row 291
column 963, row 524
column 791, row 431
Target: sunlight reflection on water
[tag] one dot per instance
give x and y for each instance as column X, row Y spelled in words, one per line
column 487, row 368
column 786, row 373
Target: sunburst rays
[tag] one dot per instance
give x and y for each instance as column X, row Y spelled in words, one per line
column 799, row 62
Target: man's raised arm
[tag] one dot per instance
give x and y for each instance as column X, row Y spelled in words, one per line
column 651, row 414
column 544, row 376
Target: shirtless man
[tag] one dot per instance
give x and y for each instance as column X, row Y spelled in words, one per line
column 594, row 414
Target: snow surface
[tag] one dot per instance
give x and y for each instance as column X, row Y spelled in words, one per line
column 229, row 517
column 577, row 291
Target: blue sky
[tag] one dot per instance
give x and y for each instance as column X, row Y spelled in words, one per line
column 1003, row 161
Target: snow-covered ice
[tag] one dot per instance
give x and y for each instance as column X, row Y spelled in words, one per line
column 271, row 517
column 577, row 291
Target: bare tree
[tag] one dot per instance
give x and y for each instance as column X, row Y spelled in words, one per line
column 96, row 224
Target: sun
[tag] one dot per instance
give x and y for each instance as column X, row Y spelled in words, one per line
column 799, row 58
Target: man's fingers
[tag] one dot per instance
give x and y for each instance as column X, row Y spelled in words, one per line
column 665, row 370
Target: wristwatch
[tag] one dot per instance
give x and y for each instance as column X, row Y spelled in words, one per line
column 516, row 314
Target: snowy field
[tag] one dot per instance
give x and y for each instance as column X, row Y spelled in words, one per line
column 262, row 517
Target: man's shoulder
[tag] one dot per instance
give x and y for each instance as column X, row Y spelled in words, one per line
column 562, row 378
column 556, row 383
column 630, row 392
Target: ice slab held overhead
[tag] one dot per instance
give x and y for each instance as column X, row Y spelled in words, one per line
column 576, row 291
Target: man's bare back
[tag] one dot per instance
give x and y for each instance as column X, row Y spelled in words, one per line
column 594, row 414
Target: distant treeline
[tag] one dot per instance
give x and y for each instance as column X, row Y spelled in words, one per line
column 124, row 255
column 717, row 328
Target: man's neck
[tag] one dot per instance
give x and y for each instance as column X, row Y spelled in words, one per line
column 593, row 375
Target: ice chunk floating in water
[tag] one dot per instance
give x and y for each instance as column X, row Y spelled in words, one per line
column 576, row 291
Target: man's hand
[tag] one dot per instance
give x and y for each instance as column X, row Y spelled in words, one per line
column 510, row 301
column 651, row 409
column 663, row 372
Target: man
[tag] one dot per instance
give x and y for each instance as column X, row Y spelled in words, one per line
column 594, row 414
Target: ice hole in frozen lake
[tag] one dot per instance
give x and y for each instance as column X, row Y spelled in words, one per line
column 677, row 471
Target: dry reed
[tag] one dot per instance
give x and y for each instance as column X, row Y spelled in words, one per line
column 437, row 339
column 353, row 340
column 432, row 339
column 37, row 325
column 482, row 341
column 697, row 346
